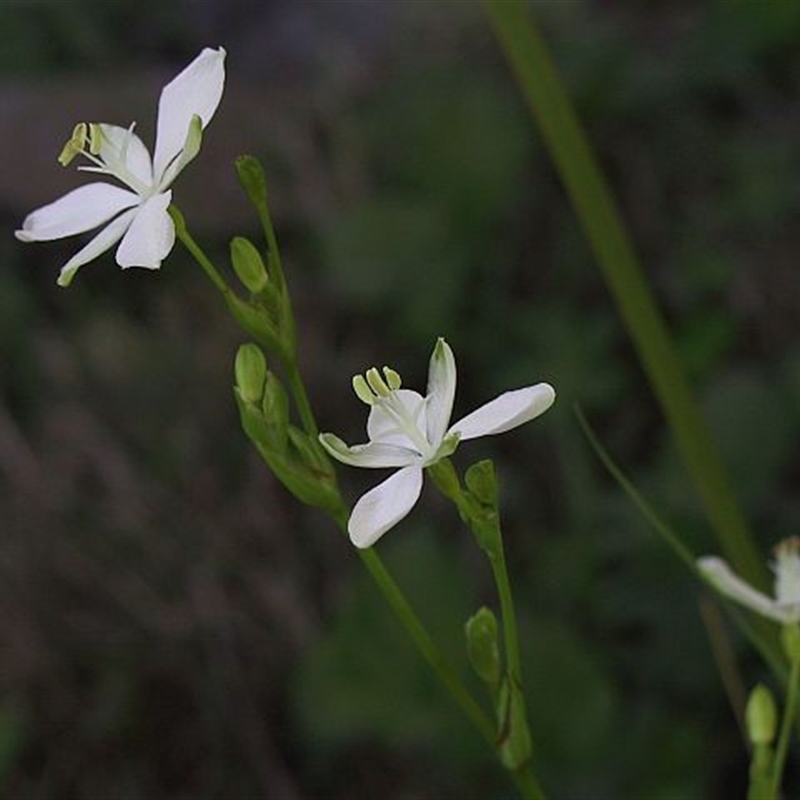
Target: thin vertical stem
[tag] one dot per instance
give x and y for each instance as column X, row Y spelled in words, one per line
column 612, row 247
column 789, row 718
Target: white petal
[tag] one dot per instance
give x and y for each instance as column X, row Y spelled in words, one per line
column 372, row 455
column 191, row 147
column 197, row 90
column 441, row 391
column 384, row 506
column 506, row 412
column 382, row 424
column 721, row 577
column 117, row 142
column 77, row 211
column 104, row 240
column 151, row 235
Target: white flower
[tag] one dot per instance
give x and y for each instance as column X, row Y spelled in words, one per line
column 138, row 213
column 785, row 606
column 409, row 431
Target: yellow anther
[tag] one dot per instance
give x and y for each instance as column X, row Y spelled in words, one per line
column 95, row 138
column 362, row 390
column 74, row 146
column 377, row 383
column 392, row 378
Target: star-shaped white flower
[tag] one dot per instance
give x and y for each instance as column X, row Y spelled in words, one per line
column 409, row 431
column 785, row 606
column 136, row 214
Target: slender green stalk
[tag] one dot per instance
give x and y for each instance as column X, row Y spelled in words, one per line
column 789, row 718
column 528, row 786
column 301, row 400
column 447, row 675
column 510, row 636
column 182, row 232
column 605, row 231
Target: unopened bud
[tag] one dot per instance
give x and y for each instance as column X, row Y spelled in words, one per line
column 482, row 646
column 251, row 179
column 248, row 264
column 482, row 482
column 761, row 716
column 250, row 369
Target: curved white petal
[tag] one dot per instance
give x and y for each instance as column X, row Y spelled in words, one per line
column 441, row 391
column 723, row 579
column 104, row 240
column 150, row 236
column 191, row 147
column 382, row 425
column 77, row 211
column 384, row 506
column 197, row 90
column 371, row 455
column 122, row 145
column 505, row 412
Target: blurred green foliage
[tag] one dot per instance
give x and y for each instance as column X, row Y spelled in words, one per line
column 174, row 627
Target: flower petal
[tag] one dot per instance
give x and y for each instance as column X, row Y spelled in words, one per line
column 441, row 391
column 197, row 90
column 382, row 424
column 150, row 236
column 77, row 211
column 104, row 240
column 723, row 579
column 373, row 454
column 505, row 412
column 384, row 506
column 191, row 147
column 123, row 145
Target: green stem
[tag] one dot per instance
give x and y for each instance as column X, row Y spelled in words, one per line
column 604, row 229
column 301, row 399
column 446, row 673
column 510, row 636
column 789, row 714
column 182, row 232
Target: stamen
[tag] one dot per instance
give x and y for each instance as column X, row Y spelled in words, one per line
column 75, row 146
column 392, row 378
column 377, row 383
column 95, row 138
column 362, row 390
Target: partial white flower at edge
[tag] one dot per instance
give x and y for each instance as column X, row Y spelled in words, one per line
column 411, row 432
column 136, row 214
column 784, row 607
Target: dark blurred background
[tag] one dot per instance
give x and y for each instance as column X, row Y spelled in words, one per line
column 172, row 624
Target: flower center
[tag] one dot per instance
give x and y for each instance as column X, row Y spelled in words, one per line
column 89, row 141
column 379, row 390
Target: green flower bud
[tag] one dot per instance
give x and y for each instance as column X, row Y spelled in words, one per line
column 482, row 482
column 250, row 369
column 251, row 179
column 248, row 264
column 514, row 737
column 761, row 716
column 482, row 646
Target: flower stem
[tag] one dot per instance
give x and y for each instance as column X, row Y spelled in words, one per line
column 789, row 714
column 608, row 238
column 500, row 572
column 182, row 232
column 436, row 660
